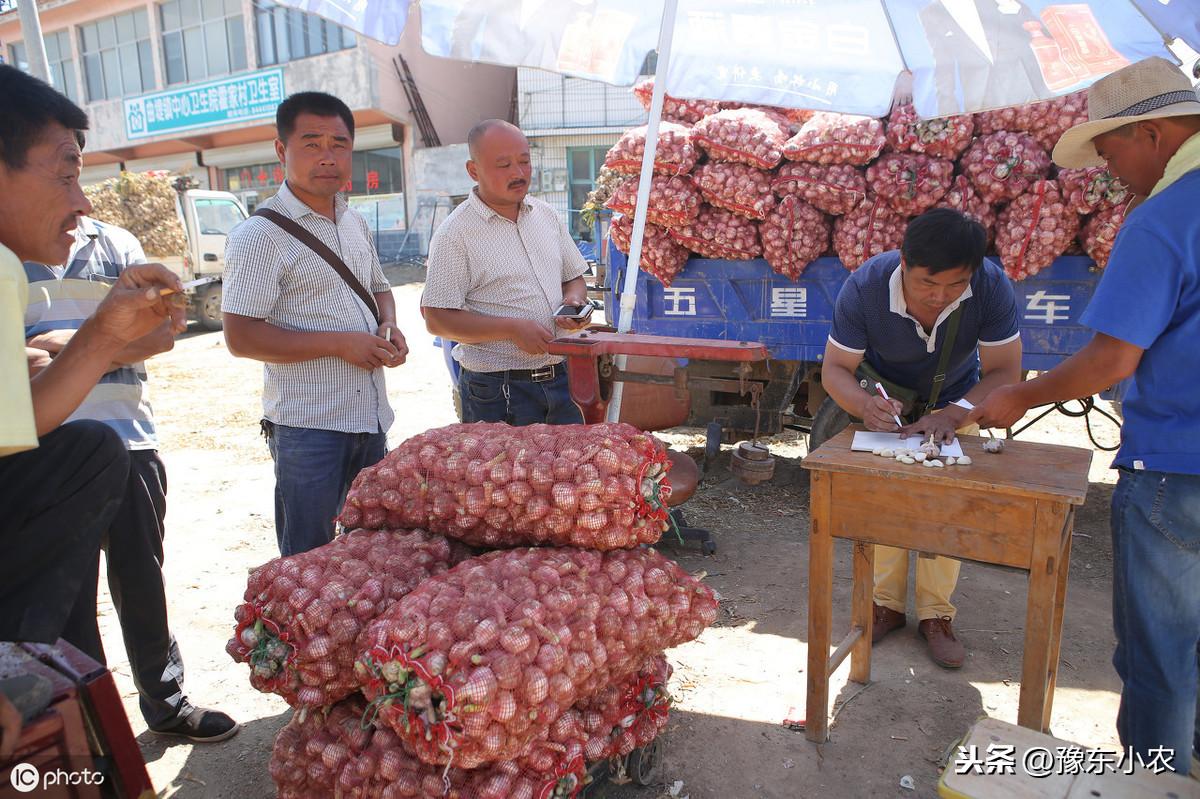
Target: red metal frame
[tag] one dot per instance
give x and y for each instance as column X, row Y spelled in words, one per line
column 584, row 349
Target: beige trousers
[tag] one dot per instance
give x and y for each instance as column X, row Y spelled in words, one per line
column 936, row 577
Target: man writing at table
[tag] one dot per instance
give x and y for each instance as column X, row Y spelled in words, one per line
column 1145, row 124
column 936, row 325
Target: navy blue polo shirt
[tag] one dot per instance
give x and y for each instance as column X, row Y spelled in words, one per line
column 871, row 319
column 1149, row 296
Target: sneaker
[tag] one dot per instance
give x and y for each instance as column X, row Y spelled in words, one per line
column 201, row 725
column 885, row 620
column 944, row 648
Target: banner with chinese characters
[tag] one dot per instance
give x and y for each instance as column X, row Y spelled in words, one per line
column 252, row 95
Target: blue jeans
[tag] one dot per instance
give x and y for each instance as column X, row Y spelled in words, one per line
column 313, row 472
column 1156, row 610
column 493, row 397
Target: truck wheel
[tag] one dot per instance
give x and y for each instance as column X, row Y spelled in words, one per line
column 828, row 422
column 208, row 308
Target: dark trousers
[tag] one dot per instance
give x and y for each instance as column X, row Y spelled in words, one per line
column 313, row 472
column 58, row 500
column 133, row 550
column 495, row 397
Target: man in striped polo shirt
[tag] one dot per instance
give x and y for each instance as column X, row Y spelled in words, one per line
column 891, row 323
column 60, row 299
column 499, row 267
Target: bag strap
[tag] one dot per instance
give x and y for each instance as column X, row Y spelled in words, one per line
column 309, row 240
column 944, row 358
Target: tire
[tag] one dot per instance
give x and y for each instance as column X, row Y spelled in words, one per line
column 208, row 308
column 828, row 422
column 644, row 765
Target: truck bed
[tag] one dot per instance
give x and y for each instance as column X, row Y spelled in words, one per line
column 747, row 301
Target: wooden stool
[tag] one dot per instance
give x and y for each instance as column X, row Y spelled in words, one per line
column 84, row 721
column 1014, row 509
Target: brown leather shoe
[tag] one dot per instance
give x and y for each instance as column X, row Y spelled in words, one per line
column 944, row 648
column 884, row 621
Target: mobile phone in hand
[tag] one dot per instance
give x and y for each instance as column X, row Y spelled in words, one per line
column 575, row 311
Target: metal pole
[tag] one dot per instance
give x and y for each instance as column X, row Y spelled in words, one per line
column 629, row 287
column 35, row 46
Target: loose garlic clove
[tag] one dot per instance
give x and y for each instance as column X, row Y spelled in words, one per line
column 877, row 451
column 950, row 461
column 935, row 463
column 929, row 463
column 907, row 460
column 888, row 453
column 965, row 460
column 919, row 457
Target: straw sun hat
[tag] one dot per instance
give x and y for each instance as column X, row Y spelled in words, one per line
column 1150, row 89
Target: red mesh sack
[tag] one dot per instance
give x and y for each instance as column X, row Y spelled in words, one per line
column 675, row 109
column 829, row 138
column 302, row 614
column 1045, row 121
column 1034, row 229
column 674, row 200
column 941, row 138
column 963, row 198
column 1100, row 232
column 1004, row 165
column 910, row 183
column 675, row 154
column 480, row 661
column 740, row 188
column 718, row 233
column 793, row 236
column 662, row 256
column 868, row 230
column 619, row 719
column 314, row 746
column 832, row 188
column 600, row 486
column 742, row 135
column 1092, row 189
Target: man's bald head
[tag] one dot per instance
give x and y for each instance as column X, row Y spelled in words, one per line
column 477, row 134
column 499, row 163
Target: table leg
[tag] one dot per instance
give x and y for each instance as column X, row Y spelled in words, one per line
column 1049, row 520
column 820, row 607
column 861, row 612
column 1060, row 601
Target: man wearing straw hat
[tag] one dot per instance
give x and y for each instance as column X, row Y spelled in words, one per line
column 1145, row 124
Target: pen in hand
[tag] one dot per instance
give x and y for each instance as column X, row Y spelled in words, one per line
column 883, row 393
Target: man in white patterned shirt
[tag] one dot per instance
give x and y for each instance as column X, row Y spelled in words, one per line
column 499, row 267
column 325, row 406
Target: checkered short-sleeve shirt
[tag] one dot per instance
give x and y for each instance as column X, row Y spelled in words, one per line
column 270, row 275
column 482, row 262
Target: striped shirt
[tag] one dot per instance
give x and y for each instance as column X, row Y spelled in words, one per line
column 62, row 297
column 270, row 275
column 482, row 262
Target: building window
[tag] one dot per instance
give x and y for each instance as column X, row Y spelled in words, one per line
column 58, row 54
column 17, row 56
column 202, row 39
column 583, row 164
column 117, row 60
column 285, row 34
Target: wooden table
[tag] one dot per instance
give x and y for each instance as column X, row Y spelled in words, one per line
column 1014, row 509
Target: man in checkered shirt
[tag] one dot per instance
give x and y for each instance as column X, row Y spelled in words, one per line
column 325, row 406
column 499, row 267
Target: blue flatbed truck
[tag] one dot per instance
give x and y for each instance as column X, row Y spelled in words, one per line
column 747, row 301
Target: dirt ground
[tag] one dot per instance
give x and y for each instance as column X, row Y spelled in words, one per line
column 733, row 687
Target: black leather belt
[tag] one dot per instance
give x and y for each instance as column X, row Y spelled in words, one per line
column 542, row 375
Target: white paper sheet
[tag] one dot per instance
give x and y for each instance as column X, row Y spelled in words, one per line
column 866, row 441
